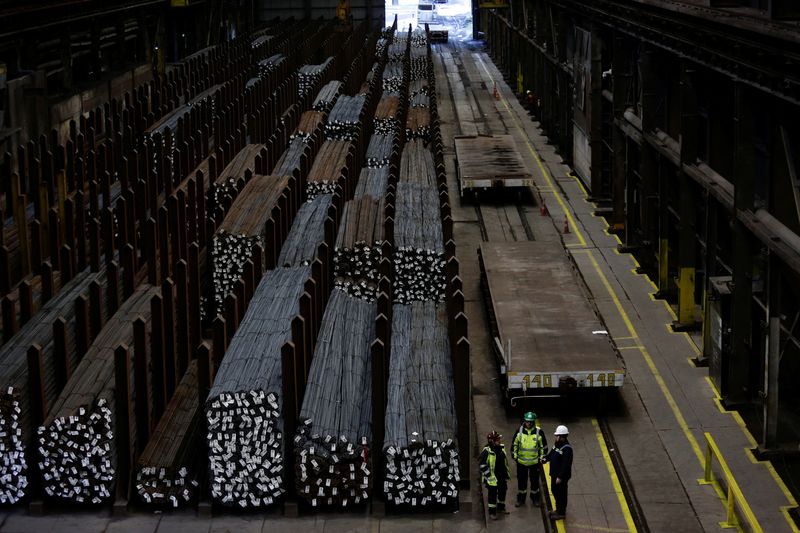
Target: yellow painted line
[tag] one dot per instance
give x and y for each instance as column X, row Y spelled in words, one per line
column 559, row 523
column 542, row 168
column 623, row 503
column 637, row 347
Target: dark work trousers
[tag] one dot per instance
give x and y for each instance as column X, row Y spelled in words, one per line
column 560, row 495
column 524, row 474
column 497, row 496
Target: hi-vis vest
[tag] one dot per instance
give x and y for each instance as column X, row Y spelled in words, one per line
column 528, row 447
column 491, row 461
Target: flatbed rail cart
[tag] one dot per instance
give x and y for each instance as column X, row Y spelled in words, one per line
column 489, row 161
column 547, row 338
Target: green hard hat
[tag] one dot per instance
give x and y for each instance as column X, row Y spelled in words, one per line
column 530, row 416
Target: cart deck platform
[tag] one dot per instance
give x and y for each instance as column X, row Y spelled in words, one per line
column 546, row 334
column 487, row 161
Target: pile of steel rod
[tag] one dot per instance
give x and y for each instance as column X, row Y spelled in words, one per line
column 418, row 124
column 166, row 470
column 386, row 120
column 77, row 441
column 14, row 467
column 309, row 75
column 420, row 86
column 310, row 123
column 344, row 120
column 358, row 247
column 394, row 77
column 397, row 50
column 418, row 63
column 372, row 182
column 241, row 231
column 380, row 47
column 307, row 232
column 379, row 150
column 418, row 38
column 326, row 97
column 226, row 184
column 328, row 168
column 419, row 99
column 420, row 446
column 291, row 159
column 265, row 66
column 333, row 441
column 419, row 251
column 243, row 411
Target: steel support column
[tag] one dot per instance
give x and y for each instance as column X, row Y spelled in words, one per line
column 595, row 115
column 772, row 355
column 621, row 77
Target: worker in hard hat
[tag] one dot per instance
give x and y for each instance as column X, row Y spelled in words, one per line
column 528, row 449
column 560, row 459
column 493, row 464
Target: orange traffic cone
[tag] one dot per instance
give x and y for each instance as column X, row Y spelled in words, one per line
column 566, row 225
column 495, row 93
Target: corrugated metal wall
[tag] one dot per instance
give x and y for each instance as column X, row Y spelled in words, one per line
column 268, row 9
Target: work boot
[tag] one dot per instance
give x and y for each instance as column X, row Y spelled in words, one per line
column 535, row 499
column 493, row 516
column 519, row 502
column 554, row 515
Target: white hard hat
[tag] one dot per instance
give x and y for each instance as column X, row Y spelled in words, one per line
column 562, row 430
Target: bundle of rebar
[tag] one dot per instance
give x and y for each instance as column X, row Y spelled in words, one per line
column 418, row 63
column 419, row 251
column 372, row 182
column 379, row 150
column 421, row 86
column 387, row 115
column 307, row 232
column 397, row 50
column 419, row 99
column 265, row 66
column 291, row 159
column 358, row 247
column 243, row 411
column 309, row 75
column 344, row 120
column 226, row 184
column 329, row 166
column 16, row 431
column 334, row 438
column 420, row 447
column 260, row 41
column 166, row 472
column 418, row 38
column 77, row 441
column 242, row 229
column 310, row 123
column 326, row 97
column 394, row 77
column 380, row 47
column 418, row 124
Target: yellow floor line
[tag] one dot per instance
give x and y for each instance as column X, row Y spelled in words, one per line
column 623, row 503
column 560, row 527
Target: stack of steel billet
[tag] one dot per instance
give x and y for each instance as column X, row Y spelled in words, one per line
column 14, row 466
column 344, row 120
column 333, row 441
column 329, row 166
column 372, row 182
column 309, row 76
column 379, row 150
column 291, row 159
column 387, row 115
column 227, row 181
column 418, row 124
column 307, row 233
column 420, row 446
column 243, row 411
column 394, row 77
column 358, row 247
column 418, row 249
column 242, row 229
column 265, row 66
column 15, row 420
column 77, row 441
column 166, row 472
column 326, row 97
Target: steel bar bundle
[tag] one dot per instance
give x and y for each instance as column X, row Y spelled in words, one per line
column 227, row 181
column 344, row 120
column 372, row 182
column 419, row 99
column 333, row 441
column 309, row 75
column 420, row 86
column 166, row 470
column 310, row 123
column 242, row 229
column 329, row 166
column 418, row 124
column 291, row 159
column 418, row 39
column 260, row 41
column 381, row 47
column 420, row 446
column 77, row 441
column 326, row 97
column 307, row 232
column 265, row 66
column 397, row 50
column 419, row 251
column 243, row 411
column 379, row 150
column 394, row 77
column 15, row 419
column 358, row 247
column 418, row 63
column 387, row 115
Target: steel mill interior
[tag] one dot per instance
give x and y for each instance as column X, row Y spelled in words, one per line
column 399, row 266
